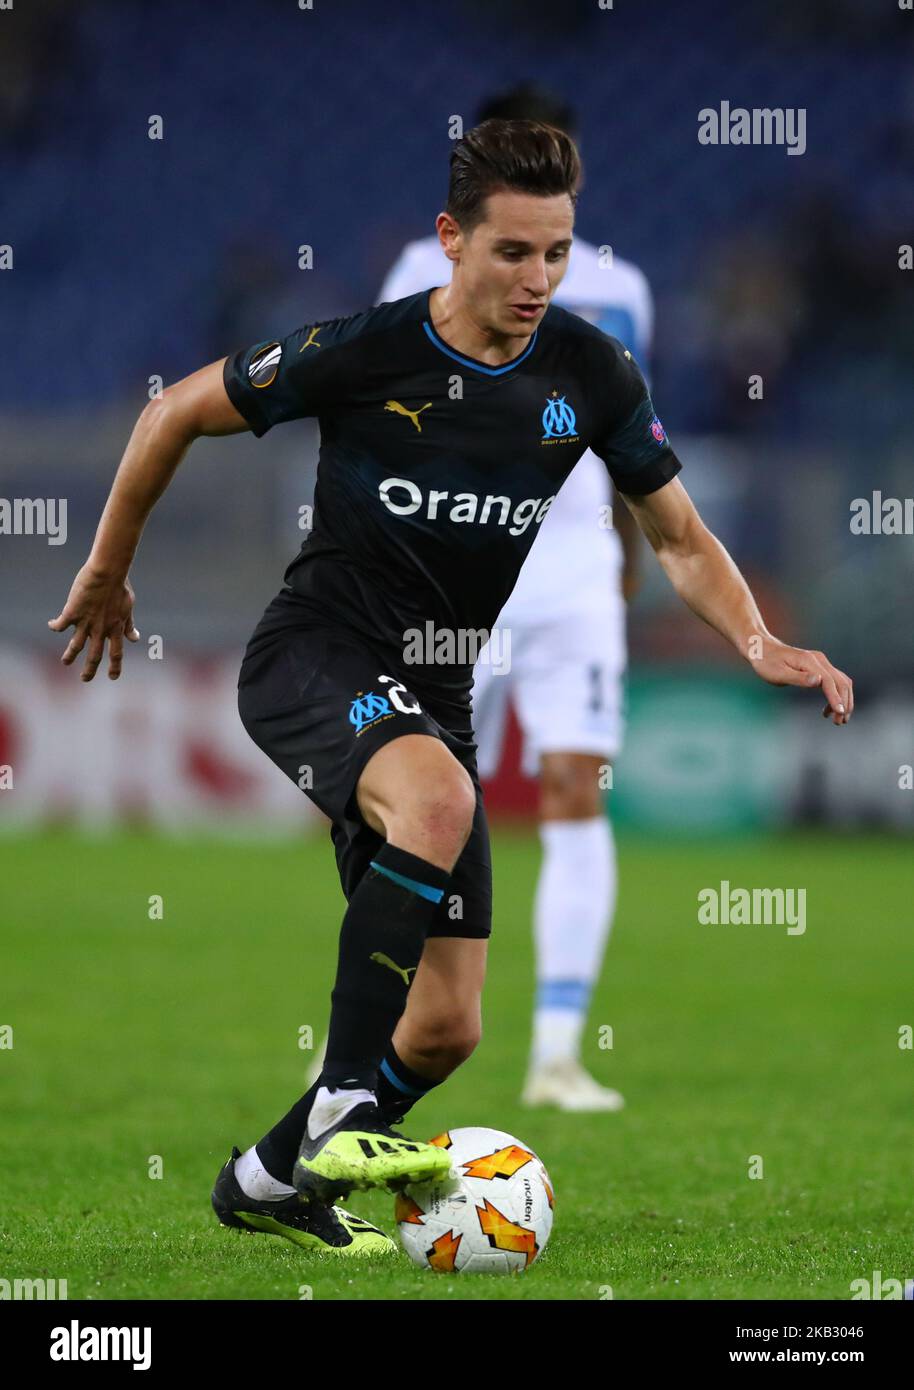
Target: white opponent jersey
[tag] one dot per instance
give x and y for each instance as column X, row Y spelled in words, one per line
column 574, row 557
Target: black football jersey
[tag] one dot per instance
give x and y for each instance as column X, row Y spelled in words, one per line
column 436, row 470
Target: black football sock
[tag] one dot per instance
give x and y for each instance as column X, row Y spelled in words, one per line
column 278, row 1149
column 381, row 941
column 399, row 1087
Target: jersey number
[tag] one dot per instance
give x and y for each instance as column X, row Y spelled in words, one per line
column 396, row 690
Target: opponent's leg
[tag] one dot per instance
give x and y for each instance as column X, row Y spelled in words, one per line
column 574, row 904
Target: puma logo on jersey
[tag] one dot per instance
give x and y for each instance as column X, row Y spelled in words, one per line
column 311, row 339
column 380, row 957
column 399, row 409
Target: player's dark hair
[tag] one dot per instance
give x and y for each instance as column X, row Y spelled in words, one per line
column 528, row 156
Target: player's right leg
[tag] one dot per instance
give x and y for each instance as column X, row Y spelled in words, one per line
column 416, row 795
column 440, row 1026
column 319, row 702
column 491, row 690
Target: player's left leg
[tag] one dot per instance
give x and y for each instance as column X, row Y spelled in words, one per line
column 438, row 1030
column 279, row 1210
column 438, row 1038
column 440, row 1026
column 441, row 1022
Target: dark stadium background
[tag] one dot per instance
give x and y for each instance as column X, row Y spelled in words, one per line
column 136, row 259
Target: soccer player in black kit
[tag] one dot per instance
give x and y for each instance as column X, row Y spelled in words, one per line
column 448, row 421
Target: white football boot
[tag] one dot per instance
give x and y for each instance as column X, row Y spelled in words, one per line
column 567, row 1086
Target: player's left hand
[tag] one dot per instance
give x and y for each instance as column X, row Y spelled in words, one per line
column 783, row 665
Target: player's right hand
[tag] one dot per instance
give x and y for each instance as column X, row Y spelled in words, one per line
column 99, row 607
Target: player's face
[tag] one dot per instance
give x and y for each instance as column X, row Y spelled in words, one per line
column 512, row 263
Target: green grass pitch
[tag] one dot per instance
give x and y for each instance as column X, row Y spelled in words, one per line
column 136, row 1037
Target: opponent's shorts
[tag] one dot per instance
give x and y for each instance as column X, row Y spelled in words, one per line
column 319, row 702
column 564, row 675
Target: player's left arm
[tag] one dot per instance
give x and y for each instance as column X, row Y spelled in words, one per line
column 706, row 578
column 626, row 528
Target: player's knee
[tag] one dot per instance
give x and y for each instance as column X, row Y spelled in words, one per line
column 435, row 820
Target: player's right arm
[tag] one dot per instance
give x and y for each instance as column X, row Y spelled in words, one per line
column 100, row 603
column 308, row 371
column 285, row 379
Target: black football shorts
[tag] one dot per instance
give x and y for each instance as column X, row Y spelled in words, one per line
column 319, row 702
